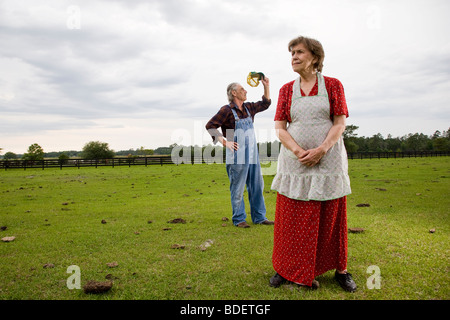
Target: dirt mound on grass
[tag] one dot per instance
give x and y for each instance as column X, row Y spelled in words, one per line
column 96, row 287
column 177, row 220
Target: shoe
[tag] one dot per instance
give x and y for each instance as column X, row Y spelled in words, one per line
column 267, row 222
column 314, row 286
column 276, row 280
column 345, row 280
column 243, row 224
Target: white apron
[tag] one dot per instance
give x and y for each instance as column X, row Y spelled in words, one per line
column 310, row 125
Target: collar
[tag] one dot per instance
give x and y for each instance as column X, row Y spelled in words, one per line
column 234, row 105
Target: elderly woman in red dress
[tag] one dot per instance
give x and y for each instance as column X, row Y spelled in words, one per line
column 310, row 234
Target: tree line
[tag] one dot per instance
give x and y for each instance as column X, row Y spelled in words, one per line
column 439, row 141
column 91, row 150
column 412, row 142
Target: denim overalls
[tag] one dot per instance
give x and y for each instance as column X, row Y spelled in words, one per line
column 243, row 169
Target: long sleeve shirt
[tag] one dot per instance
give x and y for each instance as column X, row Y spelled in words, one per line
column 224, row 119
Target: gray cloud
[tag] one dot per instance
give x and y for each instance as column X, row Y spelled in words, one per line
column 173, row 59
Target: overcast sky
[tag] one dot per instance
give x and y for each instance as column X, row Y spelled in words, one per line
column 152, row 73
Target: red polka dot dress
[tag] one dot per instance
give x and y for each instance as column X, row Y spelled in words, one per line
column 310, row 233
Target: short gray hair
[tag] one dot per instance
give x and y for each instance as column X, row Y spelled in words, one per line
column 230, row 88
column 312, row 45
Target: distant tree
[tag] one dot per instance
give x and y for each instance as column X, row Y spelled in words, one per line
column 416, row 142
column 62, row 159
column 436, row 134
column 163, row 150
column 349, row 131
column 56, row 154
column 377, row 143
column 10, row 156
column 393, row 144
column 351, row 146
column 441, row 142
column 350, row 138
column 35, row 152
column 97, row 150
column 142, row 151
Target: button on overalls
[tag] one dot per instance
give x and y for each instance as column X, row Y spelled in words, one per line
column 243, row 169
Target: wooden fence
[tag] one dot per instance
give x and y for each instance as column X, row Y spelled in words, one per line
column 394, row 155
column 167, row 160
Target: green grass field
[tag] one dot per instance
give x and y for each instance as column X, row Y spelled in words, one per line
column 56, row 218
